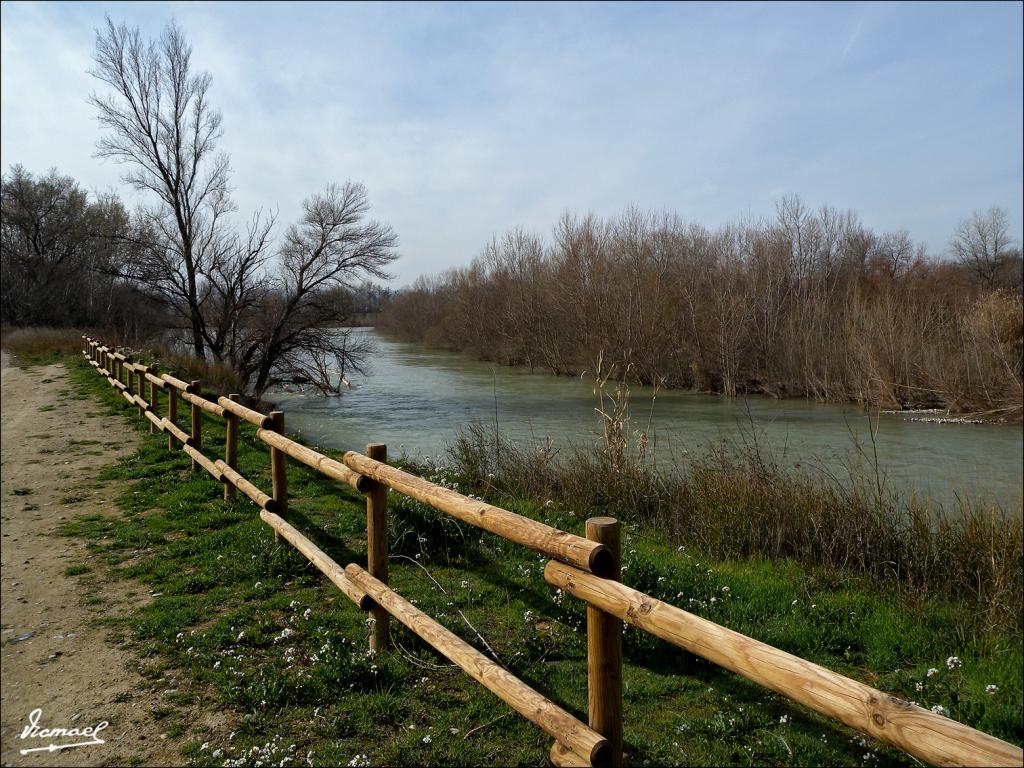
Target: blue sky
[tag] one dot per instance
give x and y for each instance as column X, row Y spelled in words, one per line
column 466, row 119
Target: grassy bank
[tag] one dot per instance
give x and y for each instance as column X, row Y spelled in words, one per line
column 735, row 501
column 246, row 625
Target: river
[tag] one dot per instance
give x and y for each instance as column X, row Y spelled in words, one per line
column 415, row 400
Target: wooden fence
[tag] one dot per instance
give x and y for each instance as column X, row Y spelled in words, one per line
column 586, row 568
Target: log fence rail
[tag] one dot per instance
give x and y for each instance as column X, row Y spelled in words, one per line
column 586, row 568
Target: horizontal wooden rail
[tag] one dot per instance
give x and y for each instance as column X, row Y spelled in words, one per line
column 128, row 396
column 229, row 475
column 323, row 464
column 156, row 420
column 158, row 381
column 169, row 426
column 201, row 460
column 918, row 732
column 567, row 547
column 202, row 402
column 565, row 757
column 253, row 417
column 317, row 557
column 543, row 713
column 139, row 401
column 176, row 383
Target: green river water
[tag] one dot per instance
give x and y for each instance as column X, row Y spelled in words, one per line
column 416, row 399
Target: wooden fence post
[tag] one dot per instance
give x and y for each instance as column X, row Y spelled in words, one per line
column 231, row 448
column 278, row 474
column 377, row 546
column 172, row 414
column 604, row 650
column 154, row 403
column 197, row 420
column 140, row 388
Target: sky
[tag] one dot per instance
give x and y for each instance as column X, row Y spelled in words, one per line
column 465, row 120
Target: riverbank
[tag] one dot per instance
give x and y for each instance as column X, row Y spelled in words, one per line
column 923, row 409
column 260, row 637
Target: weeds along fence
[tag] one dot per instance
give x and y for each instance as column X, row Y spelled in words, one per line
column 584, row 567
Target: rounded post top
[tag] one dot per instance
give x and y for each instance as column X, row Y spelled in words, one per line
column 605, row 561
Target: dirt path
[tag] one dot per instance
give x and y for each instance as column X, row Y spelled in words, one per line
column 53, row 654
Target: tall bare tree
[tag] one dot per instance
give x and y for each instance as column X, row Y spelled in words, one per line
column 270, row 325
column 162, row 126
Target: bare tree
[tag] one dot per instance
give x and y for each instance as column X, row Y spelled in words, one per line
column 982, row 243
column 296, row 332
column 161, row 125
column 270, row 326
column 55, row 249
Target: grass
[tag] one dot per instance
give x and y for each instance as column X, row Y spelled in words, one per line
column 39, row 346
column 261, row 635
column 737, row 503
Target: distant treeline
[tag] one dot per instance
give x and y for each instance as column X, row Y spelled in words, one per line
column 810, row 304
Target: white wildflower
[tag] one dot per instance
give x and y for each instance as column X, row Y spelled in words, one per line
column 938, row 709
column 932, row 671
column 427, row 739
column 953, row 663
column 784, row 719
column 991, row 690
